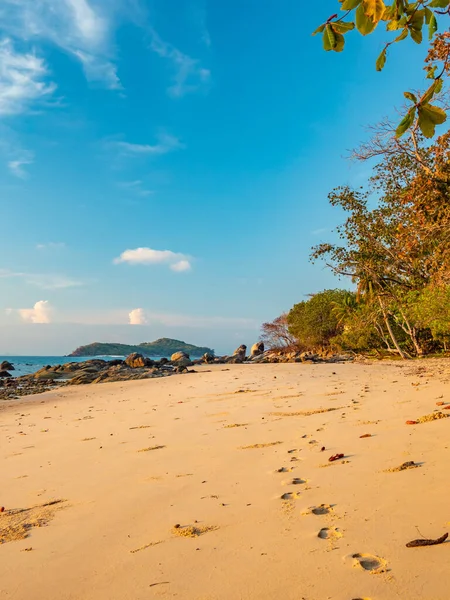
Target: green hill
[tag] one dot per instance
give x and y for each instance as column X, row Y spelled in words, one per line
column 161, row 347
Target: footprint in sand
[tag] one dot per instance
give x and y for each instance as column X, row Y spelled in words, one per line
column 322, row 509
column 370, row 563
column 284, row 470
column 297, row 481
column 290, row 496
column 330, row 533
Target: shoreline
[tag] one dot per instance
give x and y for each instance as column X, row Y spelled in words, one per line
column 231, row 454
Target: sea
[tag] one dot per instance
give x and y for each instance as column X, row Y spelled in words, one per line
column 24, row 365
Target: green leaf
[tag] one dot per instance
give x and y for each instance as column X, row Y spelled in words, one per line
column 393, row 25
column 416, row 35
column 343, row 26
column 406, row 122
column 410, row 97
column 427, row 127
column 402, row 36
column 429, row 117
column 431, row 72
column 428, row 14
column 364, row 24
column 439, row 84
column 432, row 27
column 418, row 19
column 374, row 9
column 318, row 30
column 434, row 113
column 381, row 61
column 350, row 4
column 439, row 3
column 430, row 92
column 340, row 42
column 329, row 39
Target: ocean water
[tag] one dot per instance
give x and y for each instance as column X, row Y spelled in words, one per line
column 24, row 365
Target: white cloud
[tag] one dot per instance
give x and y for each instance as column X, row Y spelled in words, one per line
column 200, row 21
column 189, row 75
column 81, row 28
column 22, row 80
column 44, row 281
column 40, row 313
column 16, row 167
column 137, row 317
column 180, row 266
column 99, row 69
column 166, row 143
column 143, row 316
column 51, row 246
column 147, row 256
column 136, row 187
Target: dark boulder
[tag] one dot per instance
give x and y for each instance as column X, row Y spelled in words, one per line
column 115, row 362
column 6, row 366
column 5, row 374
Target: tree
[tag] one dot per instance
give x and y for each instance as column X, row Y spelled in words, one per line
column 403, row 19
column 400, row 250
column 276, row 335
column 314, row 322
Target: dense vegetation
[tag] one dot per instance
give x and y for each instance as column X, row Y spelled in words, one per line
column 161, row 347
column 394, row 247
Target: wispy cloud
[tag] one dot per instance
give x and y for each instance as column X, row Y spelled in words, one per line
column 136, row 187
column 81, row 28
column 23, row 80
column 147, row 256
column 17, row 167
column 165, row 143
column 200, row 21
column 51, row 246
column 40, row 313
column 188, row 73
column 99, row 69
column 137, row 317
column 44, row 281
column 320, row 231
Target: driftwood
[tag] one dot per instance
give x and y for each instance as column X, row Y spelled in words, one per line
column 418, row 543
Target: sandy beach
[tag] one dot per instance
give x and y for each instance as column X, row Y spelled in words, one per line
column 214, row 486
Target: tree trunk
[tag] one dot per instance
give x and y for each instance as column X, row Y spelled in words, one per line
column 411, row 331
column 389, row 328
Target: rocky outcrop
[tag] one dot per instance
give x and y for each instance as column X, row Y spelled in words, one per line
column 180, row 359
column 5, row 374
column 257, row 349
column 293, row 356
column 88, row 372
column 238, row 355
column 6, row 366
column 207, row 358
column 136, row 361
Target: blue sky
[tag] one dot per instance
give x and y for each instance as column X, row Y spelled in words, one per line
column 164, row 165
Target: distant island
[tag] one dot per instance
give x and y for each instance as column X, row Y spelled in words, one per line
column 161, row 347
